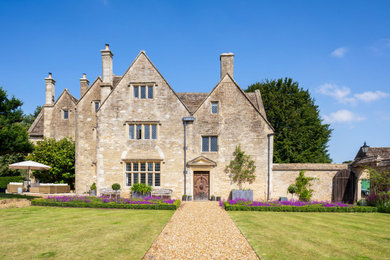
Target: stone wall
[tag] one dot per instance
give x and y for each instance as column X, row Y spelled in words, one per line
column 285, row 174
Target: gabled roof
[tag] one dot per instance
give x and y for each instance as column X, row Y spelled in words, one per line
column 373, row 155
column 134, row 61
column 202, row 161
column 242, row 92
column 192, row 100
column 96, row 80
column 36, row 129
column 66, row 92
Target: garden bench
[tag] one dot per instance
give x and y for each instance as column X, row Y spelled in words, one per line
column 110, row 192
column 164, row 193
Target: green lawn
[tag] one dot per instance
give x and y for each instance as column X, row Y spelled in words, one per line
column 292, row 235
column 75, row 233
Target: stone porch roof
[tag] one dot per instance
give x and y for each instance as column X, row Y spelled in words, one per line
column 376, row 155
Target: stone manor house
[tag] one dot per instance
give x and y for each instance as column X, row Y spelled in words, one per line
column 135, row 128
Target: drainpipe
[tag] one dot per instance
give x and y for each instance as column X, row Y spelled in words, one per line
column 186, row 120
column 269, row 166
column 75, row 145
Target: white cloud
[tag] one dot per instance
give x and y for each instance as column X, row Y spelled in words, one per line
column 342, row 116
column 343, row 94
column 339, row 52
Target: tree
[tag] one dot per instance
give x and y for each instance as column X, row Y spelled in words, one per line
column 300, row 135
column 379, row 181
column 13, row 135
column 302, row 187
column 30, row 118
column 242, row 168
column 60, row 155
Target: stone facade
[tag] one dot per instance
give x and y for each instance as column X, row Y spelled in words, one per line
column 116, row 130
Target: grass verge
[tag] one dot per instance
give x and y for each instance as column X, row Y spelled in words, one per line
column 293, row 235
column 78, row 233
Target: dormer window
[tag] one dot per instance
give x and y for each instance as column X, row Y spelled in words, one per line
column 66, row 114
column 143, row 91
column 214, row 107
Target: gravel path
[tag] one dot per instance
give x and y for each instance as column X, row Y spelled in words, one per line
column 200, row 230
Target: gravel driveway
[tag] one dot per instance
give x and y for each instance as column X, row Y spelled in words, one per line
column 200, row 230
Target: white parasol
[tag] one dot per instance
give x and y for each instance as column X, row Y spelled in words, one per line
column 29, row 165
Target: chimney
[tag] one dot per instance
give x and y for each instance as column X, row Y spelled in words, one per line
column 50, row 90
column 84, row 85
column 227, row 64
column 107, row 65
column 106, row 86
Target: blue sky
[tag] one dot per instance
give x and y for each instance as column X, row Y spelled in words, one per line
column 339, row 50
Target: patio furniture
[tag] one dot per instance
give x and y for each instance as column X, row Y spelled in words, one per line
column 110, row 192
column 164, row 193
column 12, row 187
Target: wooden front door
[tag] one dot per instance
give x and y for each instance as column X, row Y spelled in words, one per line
column 344, row 187
column 201, row 185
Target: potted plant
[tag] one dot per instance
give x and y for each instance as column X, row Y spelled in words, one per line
column 140, row 191
column 189, row 197
column 212, row 198
column 92, row 190
column 242, row 169
column 116, row 186
column 218, row 198
column 184, row 197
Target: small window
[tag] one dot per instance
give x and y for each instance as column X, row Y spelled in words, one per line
column 131, row 131
column 143, row 167
column 128, row 183
column 96, row 106
column 214, row 107
column 66, row 114
column 143, row 92
column 135, row 178
column 136, row 92
column 128, row 167
column 135, row 167
column 139, row 131
column 150, row 92
column 209, row 143
column 147, row 131
column 150, row 166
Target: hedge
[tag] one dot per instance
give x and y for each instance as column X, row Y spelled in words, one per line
column 5, row 180
column 309, row 208
column 96, row 204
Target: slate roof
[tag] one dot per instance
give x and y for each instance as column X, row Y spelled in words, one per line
column 380, row 155
column 36, row 129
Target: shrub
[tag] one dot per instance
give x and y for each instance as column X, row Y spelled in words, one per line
column 375, row 199
column 141, row 188
column 379, row 181
column 242, row 168
column 5, row 180
column 116, row 186
column 93, row 186
column 309, row 208
column 302, row 187
column 362, row 202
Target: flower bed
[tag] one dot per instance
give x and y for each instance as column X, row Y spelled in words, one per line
column 293, row 206
column 107, row 202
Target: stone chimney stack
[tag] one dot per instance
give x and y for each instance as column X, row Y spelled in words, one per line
column 107, row 72
column 84, row 85
column 50, row 90
column 227, row 64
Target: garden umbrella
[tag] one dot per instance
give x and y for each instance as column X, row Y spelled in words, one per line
column 29, row 165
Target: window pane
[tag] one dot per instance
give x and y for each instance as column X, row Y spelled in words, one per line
column 150, row 166
column 128, row 179
column 131, row 131
column 143, row 178
column 150, row 92
column 135, row 166
column 128, row 167
column 150, row 179
column 135, row 177
column 147, row 131
column 136, row 92
column 66, row 114
column 139, row 131
column 205, row 143
column 156, row 179
column 96, row 106
column 214, row 144
column 143, row 166
column 157, row 167
column 214, row 107
column 154, row 131
column 143, row 92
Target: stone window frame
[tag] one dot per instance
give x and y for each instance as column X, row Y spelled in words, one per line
column 67, row 113
column 143, row 124
column 209, row 143
column 214, row 103
column 94, row 102
column 129, row 171
column 147, row 85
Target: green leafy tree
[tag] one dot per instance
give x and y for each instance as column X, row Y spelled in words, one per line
column 379, row 181
column 13, row 135
column 6, row 160
column 302, row 187
column 60, row 155
column 300, row 137
column 241, row 168
column 30, row 118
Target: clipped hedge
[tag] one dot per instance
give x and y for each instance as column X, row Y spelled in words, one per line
column 309, row 208
column 96, row 204
column 5, row 180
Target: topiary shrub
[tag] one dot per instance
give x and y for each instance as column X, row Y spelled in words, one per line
column 116, row 186
column 93, row 186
